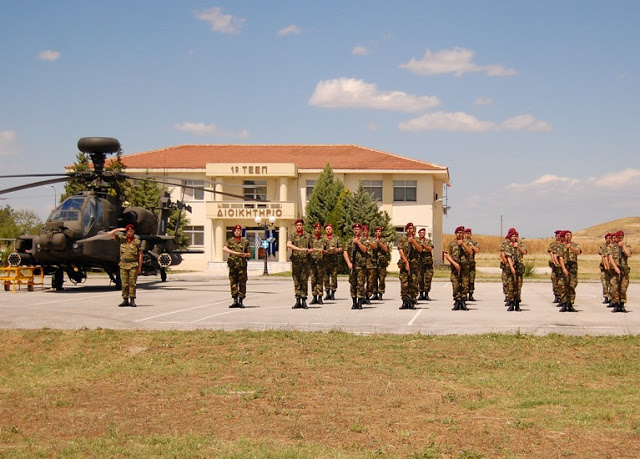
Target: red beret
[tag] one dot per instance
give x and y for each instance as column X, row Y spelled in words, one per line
column 237, row 227
column 365, row 226
column 129, row 226
column 328, row 224
column 422, row 230
column 408, row 225
column 378, row 228
column 298, row 221
column 620, row 233
column 557, row 232
column 356, row 225
column 467, row 230
column 511, row 232
column 459, row 229
column 607, row 235
column 317, row 225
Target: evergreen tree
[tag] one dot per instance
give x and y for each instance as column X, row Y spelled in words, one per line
column 75, row 186
column 145, row 193
column 324, row 199
column 360, row 207
column 181, row 238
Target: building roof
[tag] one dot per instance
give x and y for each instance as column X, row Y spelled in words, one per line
column 304, row 156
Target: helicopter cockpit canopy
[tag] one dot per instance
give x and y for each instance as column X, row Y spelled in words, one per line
column 91, row 214
column 69, row 210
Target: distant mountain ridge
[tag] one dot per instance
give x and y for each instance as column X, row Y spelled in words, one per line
column 630, row 226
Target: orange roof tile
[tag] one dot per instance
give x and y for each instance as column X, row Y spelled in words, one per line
column 304, row 156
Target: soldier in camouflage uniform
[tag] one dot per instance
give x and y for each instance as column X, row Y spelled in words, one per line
column 130, row 262
column 619, row 253
column 365, row 239
column 238, row 249
column 514, row 252
column 605, row 269
column 317, row 261
column 380, row 254
column 355, row 255
column 554, row 264
column 457, row 254
column 300, row 245
column 426, row 265
column 409, row 264
column 331, row 262
column 472, row 262
column 568, row 256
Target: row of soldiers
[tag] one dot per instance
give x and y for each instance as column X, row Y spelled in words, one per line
column 614, row 270
column 461, row 253
column 563, row 261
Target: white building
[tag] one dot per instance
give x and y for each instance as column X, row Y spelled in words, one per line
column 283, row 176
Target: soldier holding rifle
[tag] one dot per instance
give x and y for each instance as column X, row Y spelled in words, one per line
column 409, row 264
column 457, row 254
column 316, row 261
column 514, row 253
column 619, row 254
column 355, row 255
column 331, row 262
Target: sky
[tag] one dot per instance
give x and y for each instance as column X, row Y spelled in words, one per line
column 533, row 106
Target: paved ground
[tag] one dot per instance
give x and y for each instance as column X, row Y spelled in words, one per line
column 200, row 301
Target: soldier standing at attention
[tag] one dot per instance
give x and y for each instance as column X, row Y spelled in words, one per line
column 370, row 266
column 514, row 252
column 426, row 265
column 409, row 264
column 130, row 262
column 331, row 262
column 619, row 253
column 457, row 254
column 605, row 269
column 570, row 270
column 355, row 254
column 319, row 246
column 472, row 262
column 238, row 249
column 554, row 264
column 380, row 249
column 300, row 245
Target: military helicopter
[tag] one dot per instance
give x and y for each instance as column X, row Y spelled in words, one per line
column 73, row 239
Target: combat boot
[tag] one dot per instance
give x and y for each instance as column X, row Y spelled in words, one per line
column 240, row 303
column 463, row 305
column 304, row 303
column 365, row 300
column 556, row 299
column 404, row 305
column 235, row 302
column 328, row 295
column 379, row 296
column 298, row 304
column 471, row 298
column 421, row 296
column 355, row 303
column 456, row 305
column 511, row 307
column 132, row 303
column 360, row 302
column 570, row 308
column 320, row 299
column 315, row 300
column 426, row 296
column 125, row 302
column 517, row 307
column 621, row 307
column 563, row 307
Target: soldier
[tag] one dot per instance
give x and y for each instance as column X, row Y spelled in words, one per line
column 300, row 245
column 554, row 264
column 130, row 262
column 426, row 265
column 365, row 239
column 472, row 262
column 514, row 253
column 605, row 269
column 319, row 247
column 238, row 249
column 457, row 254
column 355, row 254
column 504, row 266
column 569, row 264
column 331, row 262
column 409, row 265
column 380, row 249
column 619, row 254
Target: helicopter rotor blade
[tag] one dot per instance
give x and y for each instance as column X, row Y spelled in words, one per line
column 206, row 182
column 32, row 175
column 35, row 184
column 223, row 193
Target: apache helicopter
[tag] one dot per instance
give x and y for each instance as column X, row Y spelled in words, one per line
column 73, row 239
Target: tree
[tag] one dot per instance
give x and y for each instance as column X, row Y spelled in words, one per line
column 360, row 207
column 74, row 185
column 324, row 199
column 13, row 223
column 145, row 193
column 182, row 239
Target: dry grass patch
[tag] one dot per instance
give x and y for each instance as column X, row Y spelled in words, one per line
column 293, row 394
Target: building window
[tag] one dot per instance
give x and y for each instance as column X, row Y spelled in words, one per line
column 373, row 187
column 191, row 194
column 310, row 186
column 195, row 235
column 258, row 190
column 405, row 190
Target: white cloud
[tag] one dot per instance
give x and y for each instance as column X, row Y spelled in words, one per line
column 49, row 55
column 360, row 50
column 457, row 61
column 625, row 177
column 546, row 184
column 290, row 30
column 208, row 129
column 463, row 122
column 8, row 143
column 484, row 101
column 220, row 22
column 353, row 93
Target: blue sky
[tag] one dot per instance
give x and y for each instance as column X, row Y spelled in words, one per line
column 533, row 106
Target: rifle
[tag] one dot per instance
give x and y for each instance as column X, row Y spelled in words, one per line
column 516, row 265
column 353, row 256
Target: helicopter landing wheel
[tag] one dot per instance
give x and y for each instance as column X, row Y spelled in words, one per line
column 57, row 279
column 163, row 275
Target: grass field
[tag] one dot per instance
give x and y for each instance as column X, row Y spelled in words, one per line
column 290, row 394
